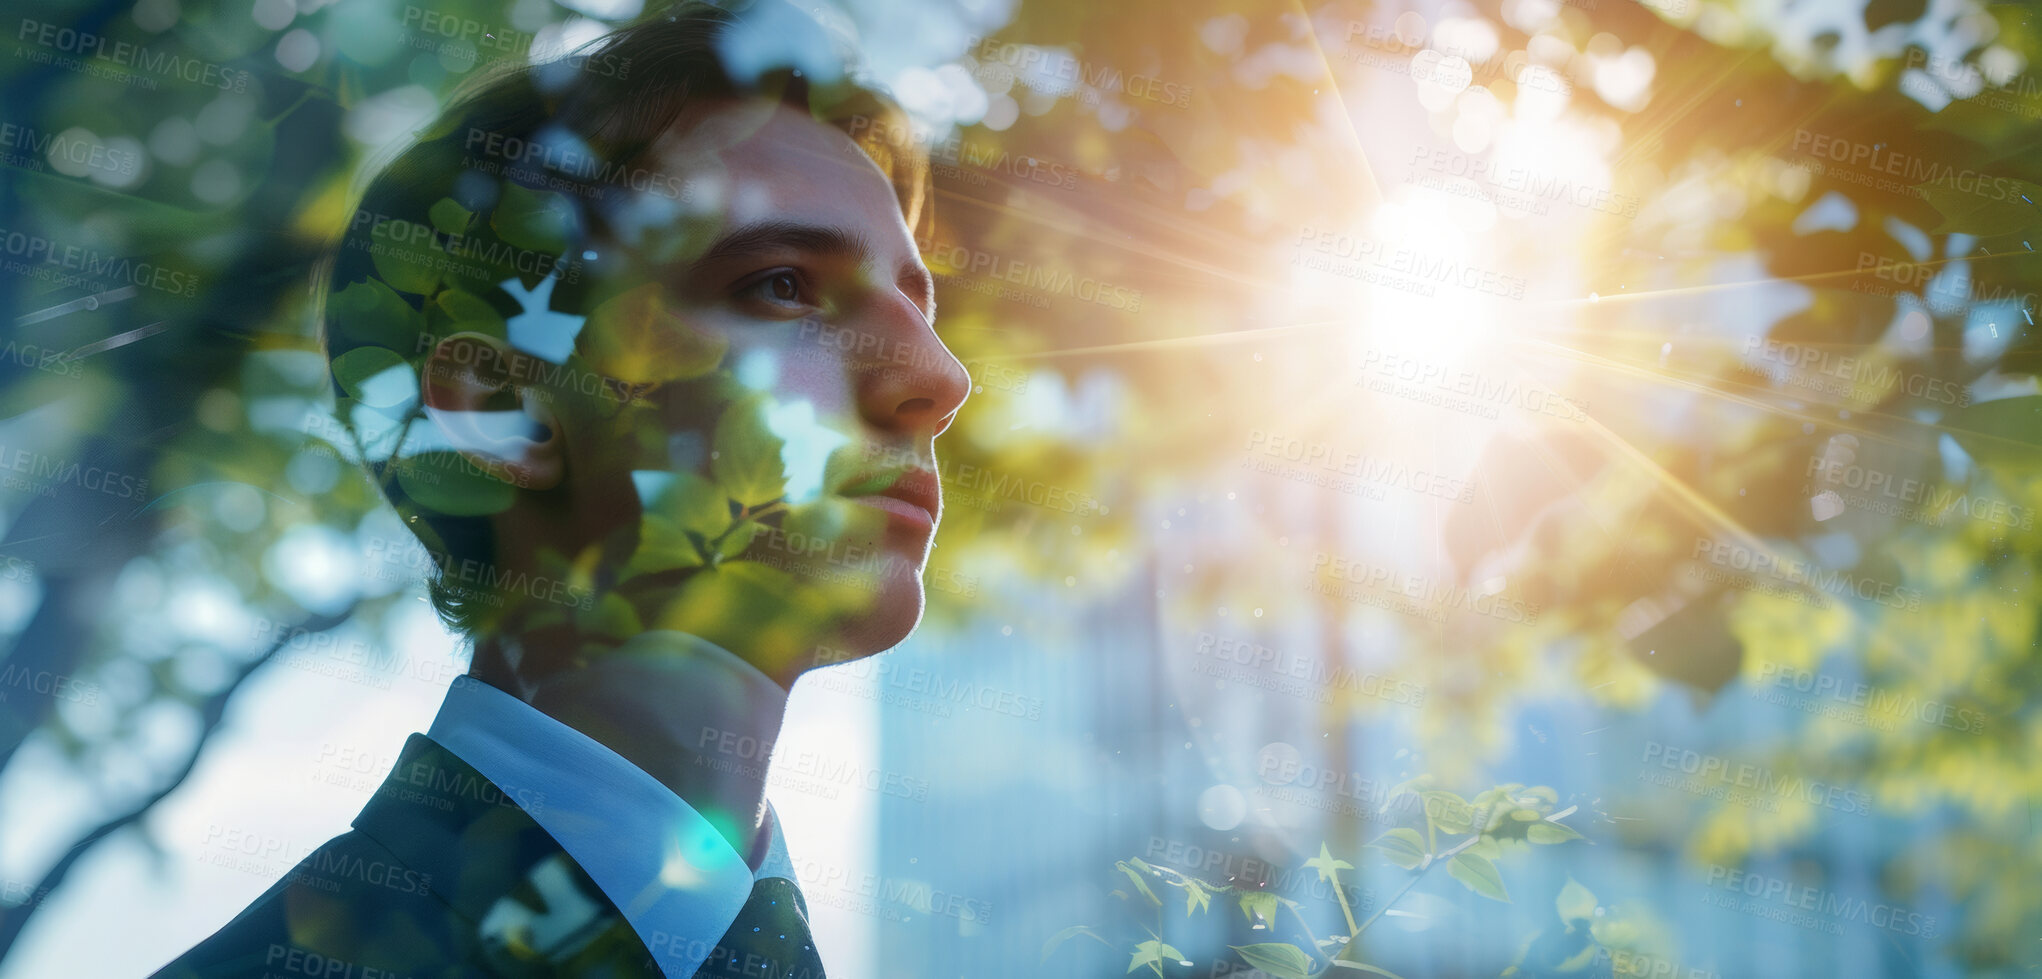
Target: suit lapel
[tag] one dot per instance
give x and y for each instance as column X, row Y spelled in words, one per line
column 530, row 908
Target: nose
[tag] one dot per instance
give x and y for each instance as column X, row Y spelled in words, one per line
column 910, row 382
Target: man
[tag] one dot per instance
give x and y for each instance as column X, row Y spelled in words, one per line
column 640, row 347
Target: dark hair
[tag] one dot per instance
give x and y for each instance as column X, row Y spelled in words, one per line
column 513, row 180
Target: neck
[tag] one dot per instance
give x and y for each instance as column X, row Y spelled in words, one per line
column 689, row 713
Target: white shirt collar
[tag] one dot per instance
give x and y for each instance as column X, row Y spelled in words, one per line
column 676, row 880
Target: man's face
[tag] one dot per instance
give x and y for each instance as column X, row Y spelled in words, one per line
column 769, row 481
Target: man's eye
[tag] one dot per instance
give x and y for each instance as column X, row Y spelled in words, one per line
column 780, row 287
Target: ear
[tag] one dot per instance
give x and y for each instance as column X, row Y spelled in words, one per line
column 499, row 425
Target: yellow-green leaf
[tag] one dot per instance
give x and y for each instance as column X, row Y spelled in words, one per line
column 1479, row 874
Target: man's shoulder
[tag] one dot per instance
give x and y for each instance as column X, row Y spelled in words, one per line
column 332, row 915
column 443, row 874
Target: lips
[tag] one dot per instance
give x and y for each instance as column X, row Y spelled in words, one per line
column 916, row 496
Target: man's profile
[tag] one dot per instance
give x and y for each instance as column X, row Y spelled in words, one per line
column 639, row 345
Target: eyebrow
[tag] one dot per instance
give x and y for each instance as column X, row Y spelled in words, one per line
column 769, row 236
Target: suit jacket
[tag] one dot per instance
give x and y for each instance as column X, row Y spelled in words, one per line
column 444, row 875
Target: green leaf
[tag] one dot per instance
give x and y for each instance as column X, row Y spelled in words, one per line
column 1479, row 874
column 1196, row 898
column 409, row 258
column 377, row 377
column 1575, row 903
column 637, row 338
column 695, row 505
column 538, row 221
column 1259, row 907
column 1326, row 865
column 467, row 311
column 612, row 617
column 1056, row 941
column 747, row 604
column 1365, row 967
column 2005, row 434
column 1280, row 959
column 371, row 312
column 449, row 483
column 1154, row 954
column 747, row 454
column 662, row 546
column 449, row 217
column 1139, row 884
column 737, row 539
column 1404, row 847
column 1993, row 207
column 1579, row 960
column 1547, row 832
column 1449, row 811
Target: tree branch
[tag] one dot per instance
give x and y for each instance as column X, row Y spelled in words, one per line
column 211, row 711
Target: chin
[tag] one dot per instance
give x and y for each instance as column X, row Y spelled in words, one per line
column 891, row 619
